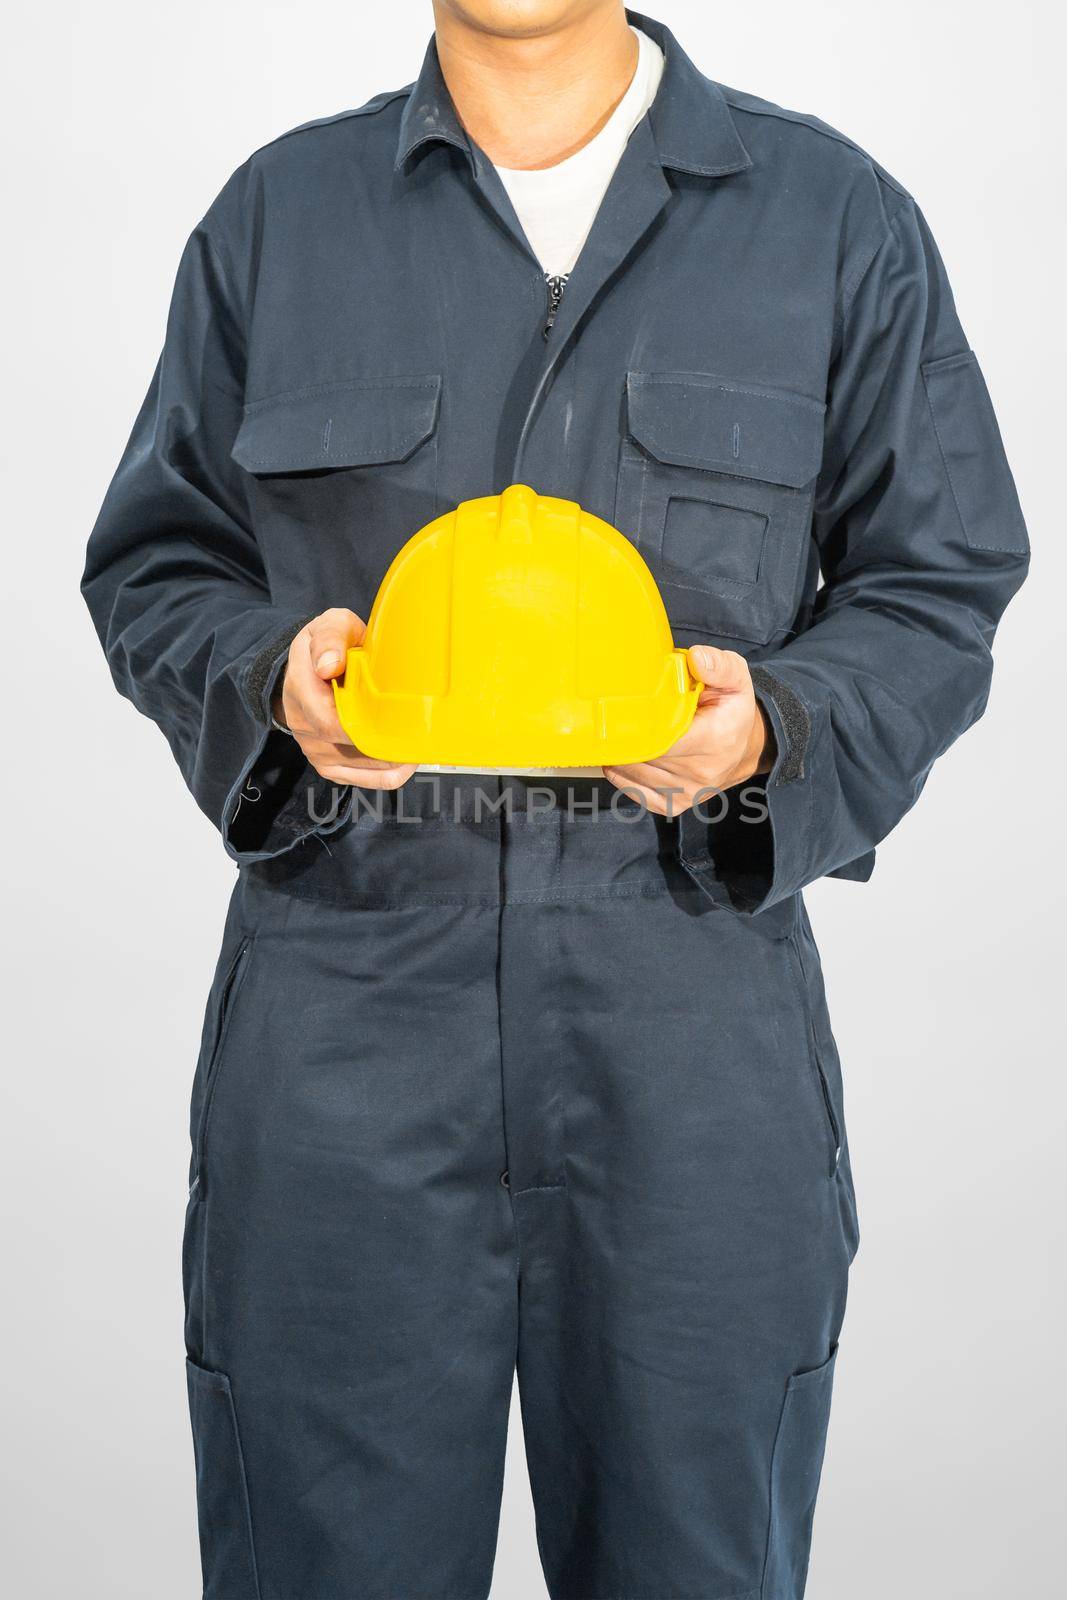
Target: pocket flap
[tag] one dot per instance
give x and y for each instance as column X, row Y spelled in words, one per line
column 694, row 419
column 973, row 452
column 353, row 424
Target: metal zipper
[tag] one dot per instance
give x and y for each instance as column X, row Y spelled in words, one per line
column 555, row 283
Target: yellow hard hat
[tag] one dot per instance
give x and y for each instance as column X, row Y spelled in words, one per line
column 517, row 630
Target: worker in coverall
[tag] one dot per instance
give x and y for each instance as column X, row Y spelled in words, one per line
column 546, row 1083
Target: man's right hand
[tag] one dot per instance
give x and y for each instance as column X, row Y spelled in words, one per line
column 305, row 703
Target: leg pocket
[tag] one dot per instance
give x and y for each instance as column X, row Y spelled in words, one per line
column 795, row 1471
column 223, row 1509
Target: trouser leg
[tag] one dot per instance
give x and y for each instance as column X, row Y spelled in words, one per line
column 682, row 1283
column 669, row 1257
column 350, row 1263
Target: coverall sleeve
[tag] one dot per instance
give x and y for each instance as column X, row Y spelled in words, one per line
column 175, row 582
column 921, row 545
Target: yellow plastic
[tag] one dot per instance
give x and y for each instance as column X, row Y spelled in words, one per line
column 517, row 631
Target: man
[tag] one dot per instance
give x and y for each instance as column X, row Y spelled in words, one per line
column 542, row 1084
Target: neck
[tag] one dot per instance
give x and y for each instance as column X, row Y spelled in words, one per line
column 533, row 100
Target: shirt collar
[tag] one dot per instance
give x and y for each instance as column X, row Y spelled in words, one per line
column 429, row 113
column 691, row 122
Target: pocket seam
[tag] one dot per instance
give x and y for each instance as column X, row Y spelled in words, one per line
column 236, row 974
column 811, row 1376
column 647, row 432
column 797, row 1382
column 314, row 390
column 375, row 459
column 968, row 361
column 295, row 432
column 703, row 380
column 220, row 1384
column 829, row 1113
column 650, row 472
column 633, row 472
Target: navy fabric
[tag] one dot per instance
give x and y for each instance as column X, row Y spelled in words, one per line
column 757, row 373
column 538, row 992
column 759, row 338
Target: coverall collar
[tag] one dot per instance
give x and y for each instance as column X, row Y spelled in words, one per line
column 692, row 126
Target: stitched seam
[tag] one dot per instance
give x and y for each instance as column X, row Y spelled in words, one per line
column 641, row 504
column 760, row 471
column 367, row 458
column 722, row 627
column 222, row 262
column 944, row 458
column 678, row 164
column 952, row 363
column 827, row 1116
column 375, row 104
column 756, row 473
column 438, row 135
column 799, row 120
column 851, row 286
column 735, row 590
column 372, row 901
column 735, row 1594
column 948, row 363
column 704, row 381
column 426, row 381
column 229, row 995
column 770, row 1495
column 246, row 1495
column 516, row 1237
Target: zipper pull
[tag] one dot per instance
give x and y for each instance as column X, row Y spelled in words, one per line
column 555, row 282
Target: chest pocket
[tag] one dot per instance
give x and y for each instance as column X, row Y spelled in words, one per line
column 341, row 475
column 354, row 424
column 715, row 486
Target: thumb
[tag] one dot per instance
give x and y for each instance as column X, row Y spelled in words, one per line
column 722, row 670
column 329, row 638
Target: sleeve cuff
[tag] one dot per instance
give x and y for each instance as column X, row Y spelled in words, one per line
column 278, row 800
column 791, row 721
column 735, row 847
column 267, row 666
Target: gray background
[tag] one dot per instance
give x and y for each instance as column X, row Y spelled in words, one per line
column 122, row 120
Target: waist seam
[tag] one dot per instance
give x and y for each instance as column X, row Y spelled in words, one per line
column 372, row 901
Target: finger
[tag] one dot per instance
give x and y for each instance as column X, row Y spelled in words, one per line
column 311, row 716
column 651, row 775
column 330, row 637
column 621, row 779
column 347, row 756
column 649, row 798
column 667, row 799
column 367, row 777
column 722, row 670
column 307, row 701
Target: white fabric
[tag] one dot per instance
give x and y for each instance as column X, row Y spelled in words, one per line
column 556, row 205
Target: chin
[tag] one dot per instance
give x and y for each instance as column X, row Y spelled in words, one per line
column 518, row 19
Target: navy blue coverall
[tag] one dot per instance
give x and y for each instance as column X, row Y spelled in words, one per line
column 542, row 1083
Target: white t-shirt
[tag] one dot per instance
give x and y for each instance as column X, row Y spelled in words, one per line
column 556, row 205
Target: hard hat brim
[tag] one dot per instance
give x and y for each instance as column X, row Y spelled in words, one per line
column 603, row 731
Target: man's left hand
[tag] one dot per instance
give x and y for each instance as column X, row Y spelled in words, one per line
column 727, row 742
